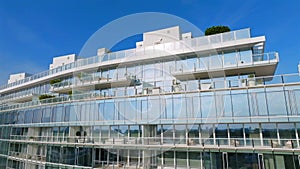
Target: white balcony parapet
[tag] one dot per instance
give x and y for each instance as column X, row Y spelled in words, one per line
column 184, row 46
column 260, row 64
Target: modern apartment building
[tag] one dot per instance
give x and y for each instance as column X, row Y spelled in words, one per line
column 174, row 101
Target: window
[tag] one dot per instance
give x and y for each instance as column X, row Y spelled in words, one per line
column 144, row 108
column 194, row 159
column 168, row 134
column 154, row 109
column 168, row 158
column 181, row 159
column 216, row 61
column 94, row 115
column 258, row 103
column 252, row 134
column 229, row 58
column 287, row 134
column 96, row 133
column 148, row 71
column 109, row 111
column 208, row 107
column 135, row 131
column 85, row 112
column 168, row 108
column 71, row 113
column 245, row 56
column 196, row 108
column 276, row 103
column 221, row 134
column 57, row 114
column 240, row 105
column 37, row 115
column 28, row 116
column 46, row 114
column 269, row 131
column 180, row 134
column 179, row 104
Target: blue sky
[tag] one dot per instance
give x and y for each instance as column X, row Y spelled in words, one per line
column 33, row 31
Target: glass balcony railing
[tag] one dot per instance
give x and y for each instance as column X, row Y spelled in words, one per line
column 159, row 141
column 91, row 79
column 25, row 155
column 95, row 80
column 160, row 49
column 142, row 90
column 14, row 97
column 219, row 62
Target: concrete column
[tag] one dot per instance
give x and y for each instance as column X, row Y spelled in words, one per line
column 148, row 135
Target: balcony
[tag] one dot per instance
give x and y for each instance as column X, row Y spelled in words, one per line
column 206, row 85
column 94, row 83
column 235, row 39
column 24, row 155
column 169, row 142
column 20, row 98
column 261, row 65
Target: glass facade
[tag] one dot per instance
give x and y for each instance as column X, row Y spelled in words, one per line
column 151, row 114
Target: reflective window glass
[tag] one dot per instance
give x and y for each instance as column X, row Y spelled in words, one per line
column 37, row 115
column 276, row 103
column 208, row 107
column 258, row 104
column 85, row 112
column 169, row 108
column 245, row 56
column 287, row 131
column 179, row 104
column 181, row 159
column 28, row 116
column 207, row 137
column 154, row 109
column 135, row 131
column 240, row 105
column 252, row 134
column 57, row 114
column 229, row 58
column 21, row 116
column 46, row 114
column 109, row 110
column 196, row 107
column 180, row 134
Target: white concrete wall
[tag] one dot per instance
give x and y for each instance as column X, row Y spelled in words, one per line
column 186, row 35
column 62, row 60
column 139, row 44
column 102, row 51
column 161, row 36
column 16, row 77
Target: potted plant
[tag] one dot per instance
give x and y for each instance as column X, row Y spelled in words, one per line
column 53, row 81
column 216, row 29
column 243, row 81
column 45, row 96
column 259, row 82
column 251, row 80
column 31, row 138
column 176, row 85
